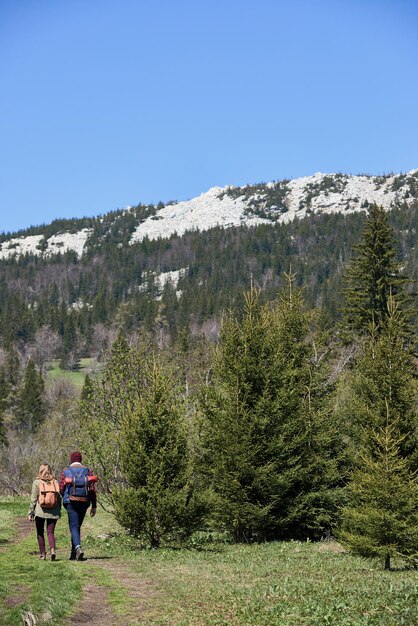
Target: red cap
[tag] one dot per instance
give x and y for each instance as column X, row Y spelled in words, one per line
column 75, row 457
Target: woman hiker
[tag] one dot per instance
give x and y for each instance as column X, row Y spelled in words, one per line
column 77, row 486
column 45, row 506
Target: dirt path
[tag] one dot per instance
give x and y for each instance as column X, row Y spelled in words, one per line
column 23, row 529
column 94, row 608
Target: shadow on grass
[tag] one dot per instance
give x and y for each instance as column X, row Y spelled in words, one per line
column 401, row 570
column 85, row 559
column 98, row 558
column 208, row 549
column 185, row 548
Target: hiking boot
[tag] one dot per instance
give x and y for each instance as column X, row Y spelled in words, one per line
column 79, row 554
column 72, row 556
column 53, row 557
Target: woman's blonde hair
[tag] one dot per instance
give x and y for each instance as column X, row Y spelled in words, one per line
column 45, row 472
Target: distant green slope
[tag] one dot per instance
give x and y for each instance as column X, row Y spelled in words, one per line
column 76, row 378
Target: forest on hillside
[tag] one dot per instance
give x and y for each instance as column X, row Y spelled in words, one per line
column 77, row 303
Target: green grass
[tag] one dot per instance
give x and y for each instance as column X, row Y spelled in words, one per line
column 9, row 508
column 287, row 584
column 76, row 378
column 283, row 584
column 51, row 591
column 27, row 584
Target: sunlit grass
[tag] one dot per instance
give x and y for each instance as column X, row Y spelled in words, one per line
column 55, row 373
column 28, row 584
column 288, row 584
column 49, row 590
column 206, row 583
column 279, row 583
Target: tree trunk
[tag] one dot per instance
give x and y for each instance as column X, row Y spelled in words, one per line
column 387, row 561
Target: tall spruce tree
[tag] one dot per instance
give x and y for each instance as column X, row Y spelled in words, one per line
column 372, row 276
column 381, row 519
column 385, row 372
column 383, row 513
column 305, row 435
column 269, row 449
column 234, row 410
column 160, row 500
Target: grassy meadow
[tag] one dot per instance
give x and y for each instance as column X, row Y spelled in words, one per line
column 209, row 582
column 55, row 373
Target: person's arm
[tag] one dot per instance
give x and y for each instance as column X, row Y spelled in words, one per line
column 62, row 483
column 92, row 493
column 33, row 500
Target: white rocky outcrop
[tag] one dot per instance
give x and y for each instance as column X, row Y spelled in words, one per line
column 249, row 205
column 320, row 193
column 162, row 278
column 40, row 246
column 207, row 211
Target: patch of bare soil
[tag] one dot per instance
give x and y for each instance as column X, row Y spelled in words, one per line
column 23, row 528
column 18, row 596
column 93, row 609
column 140, row 590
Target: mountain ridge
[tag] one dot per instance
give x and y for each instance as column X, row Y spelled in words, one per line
column 250, row 205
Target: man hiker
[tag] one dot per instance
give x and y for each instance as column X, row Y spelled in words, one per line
column 77, row 486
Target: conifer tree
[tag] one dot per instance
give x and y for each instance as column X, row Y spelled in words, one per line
column 383, row 412
column 12, row 366
column 305, row 434
column 11, row 380
column 4, row 390
column 31, row 407
column 69, row 350
column 381, row 519
column 372, row 276
column 233, row 428
column 160, row 500
column 385, row 372
column 270, row 451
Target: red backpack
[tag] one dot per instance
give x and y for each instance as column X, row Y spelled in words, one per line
column 49, row 494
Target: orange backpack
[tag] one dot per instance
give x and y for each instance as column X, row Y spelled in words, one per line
column 48, row 494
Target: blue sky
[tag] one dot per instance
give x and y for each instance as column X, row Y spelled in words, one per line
column 106, row 103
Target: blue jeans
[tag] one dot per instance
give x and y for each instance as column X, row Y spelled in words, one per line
column 76, row 512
